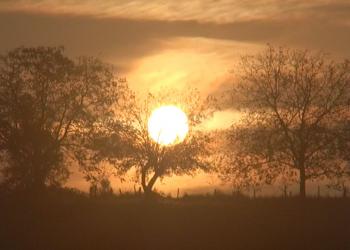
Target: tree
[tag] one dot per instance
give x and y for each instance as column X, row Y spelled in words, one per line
column 149, row 159
column 293, row 106
column 233, row 166
column 344, row 141
column 101, row 188
column 48, row 103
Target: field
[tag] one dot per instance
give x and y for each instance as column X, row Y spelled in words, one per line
column 69, row 220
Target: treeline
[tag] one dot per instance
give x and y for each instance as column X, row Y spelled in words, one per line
column 56, row 111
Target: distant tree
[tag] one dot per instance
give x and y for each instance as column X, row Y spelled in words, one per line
column 93, row 190
column 341, row 184
column 293, row 105
column 106, row 188
column 48, row 105
column 99, row 177
column 149, row 159
column 101, row 188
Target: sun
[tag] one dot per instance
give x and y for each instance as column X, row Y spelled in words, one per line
column 168, row 125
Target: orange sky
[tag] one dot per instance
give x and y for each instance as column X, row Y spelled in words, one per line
column 176, row 43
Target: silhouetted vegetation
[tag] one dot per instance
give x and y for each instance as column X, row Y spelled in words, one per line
column 49, row 104
column 147, row 158
column 295, row 107
column 56, row 112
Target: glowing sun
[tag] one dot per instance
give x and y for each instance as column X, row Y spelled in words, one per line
column 168, row 125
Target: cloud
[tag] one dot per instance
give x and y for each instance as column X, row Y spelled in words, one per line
column 219, row 11
column 129, row 38
column 119, row 41
column 134, row 43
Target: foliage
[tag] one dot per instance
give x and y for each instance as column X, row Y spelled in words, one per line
column 150, row 160
column 48, row 105
column 294, row 103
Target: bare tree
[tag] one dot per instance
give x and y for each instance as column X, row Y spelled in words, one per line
column 47, row 103
column 293, row 105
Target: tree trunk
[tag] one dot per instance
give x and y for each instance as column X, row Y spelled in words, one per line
column 147, row 191
column 147, row 187
column 143, row 181
column 302, row 182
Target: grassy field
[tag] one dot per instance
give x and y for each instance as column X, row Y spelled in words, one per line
column 68, row 220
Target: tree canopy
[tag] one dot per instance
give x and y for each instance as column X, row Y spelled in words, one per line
column 294, row 104
column 149, row 159
column 47, row 103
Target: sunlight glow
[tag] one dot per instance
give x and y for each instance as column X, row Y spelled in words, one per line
column 168, row 125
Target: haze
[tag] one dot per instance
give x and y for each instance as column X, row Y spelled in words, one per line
column 156, row 44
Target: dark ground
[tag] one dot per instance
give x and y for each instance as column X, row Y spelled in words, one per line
column 66, row 220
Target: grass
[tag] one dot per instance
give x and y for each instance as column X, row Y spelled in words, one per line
column 65, row 219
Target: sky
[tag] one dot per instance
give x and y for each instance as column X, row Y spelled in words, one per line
column 178, row 43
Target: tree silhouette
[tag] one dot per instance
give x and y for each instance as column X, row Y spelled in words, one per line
column 48, row 103
column 294, row 104
column 235, row 170
column 101, row 188
column 149, row 159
